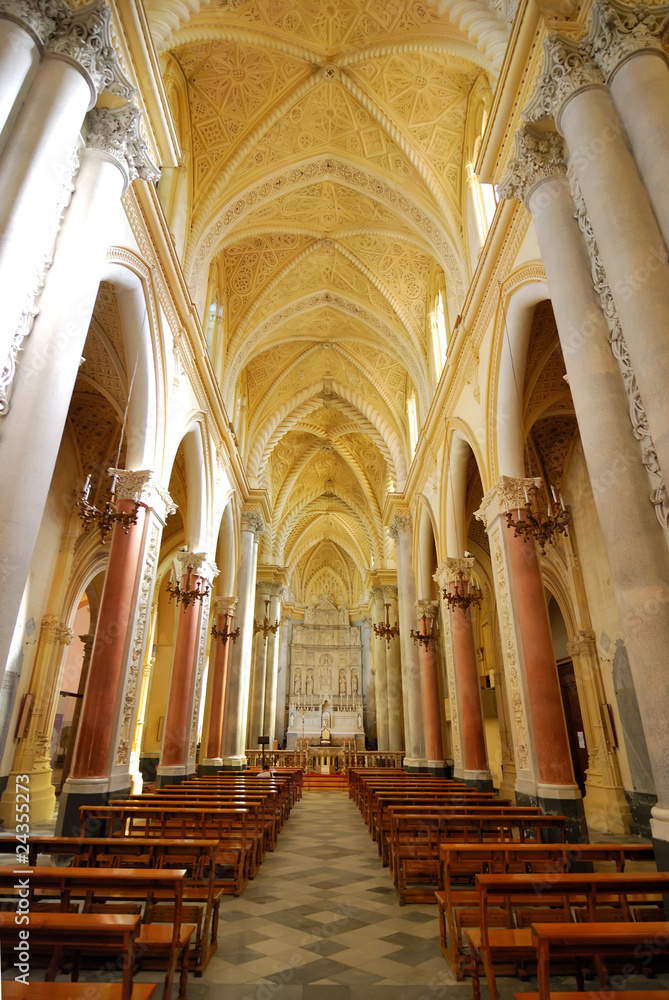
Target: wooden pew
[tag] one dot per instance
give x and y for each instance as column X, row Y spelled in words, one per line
column 598, row 940
column 74, row 933
column 458, row 900
column 227, row 826
column 559, row 891
column 171, row 941
column 73, row 991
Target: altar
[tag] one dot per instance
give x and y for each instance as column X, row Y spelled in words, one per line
column 326, row 701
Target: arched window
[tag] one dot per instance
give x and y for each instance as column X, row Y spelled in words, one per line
column 412, row 415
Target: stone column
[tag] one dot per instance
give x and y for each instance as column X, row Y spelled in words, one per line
column 634, row 540
column 401, row 531
column 394, row 676
column 625, row 42
column 258, row 671
column 285, row 633
column 239, row 669
column 368, row 681
column 632, row 251
column 33, row 752
column 25, row 28
column 434, row 740
column 379, row 646
column 101, row 762
column 474, row 767
column 268, row 725
column 224, row 610
column 177, row 758
column 543, row 757
column 38, row 165
column 46, row 370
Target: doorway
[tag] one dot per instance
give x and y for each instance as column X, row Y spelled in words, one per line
column 574, row 721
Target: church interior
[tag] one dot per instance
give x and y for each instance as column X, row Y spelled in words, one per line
column 332, row 424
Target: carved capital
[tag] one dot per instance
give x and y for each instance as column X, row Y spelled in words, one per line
column 536, row 157
column 198, row 563
column 117, row 133
column 376, row 592
column 143, row 487
column 584, row 643
column 447, row 571
column 507, row 493
column 41, row 18
column 224, row 605
column 252, row 520
column 84, row 40
column 427, row 609
column 401, row 524
column 367, row 621
column 619, row 31
column 389, row 592
column 54, row 630
column 568, row 69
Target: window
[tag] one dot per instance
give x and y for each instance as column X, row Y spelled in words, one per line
column 412, row 415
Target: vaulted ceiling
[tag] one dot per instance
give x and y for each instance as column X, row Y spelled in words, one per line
column 323, row 144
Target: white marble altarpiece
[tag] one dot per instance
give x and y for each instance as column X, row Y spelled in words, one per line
column 326, row 696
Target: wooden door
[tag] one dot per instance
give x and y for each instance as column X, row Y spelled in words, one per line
column 574, row 720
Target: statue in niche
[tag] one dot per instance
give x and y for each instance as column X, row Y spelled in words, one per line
column 326, row 720
column 297, row 683
column 354, row 683
column 291, row 721
column 359, row 721
column 342, row 683
column 310, row 683
column 326, row 673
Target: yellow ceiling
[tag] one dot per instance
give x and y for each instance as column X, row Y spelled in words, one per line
column 323, row 141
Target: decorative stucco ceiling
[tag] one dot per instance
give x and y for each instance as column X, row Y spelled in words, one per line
column 324, row 145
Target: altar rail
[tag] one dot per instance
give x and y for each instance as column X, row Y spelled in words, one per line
column 334, row 760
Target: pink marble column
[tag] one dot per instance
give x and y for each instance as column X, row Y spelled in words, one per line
column 545, row 700
column 198, row 572
column 223, row 608
column 472, row 727
column 108, row 659
column 434, row 741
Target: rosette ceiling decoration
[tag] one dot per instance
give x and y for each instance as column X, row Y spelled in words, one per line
column 325, row 147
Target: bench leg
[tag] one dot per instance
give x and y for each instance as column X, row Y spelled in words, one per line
column 183, row 978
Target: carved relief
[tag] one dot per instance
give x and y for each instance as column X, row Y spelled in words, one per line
column 197, row 693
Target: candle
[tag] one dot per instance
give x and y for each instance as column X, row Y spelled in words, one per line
column 87, row 486
column 171, row 577
column 527, row 499
column 507, row 504
column 562, row 502
column 553, row 492
column 113, row 485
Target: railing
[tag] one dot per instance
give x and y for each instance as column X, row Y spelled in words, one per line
column 335, row 759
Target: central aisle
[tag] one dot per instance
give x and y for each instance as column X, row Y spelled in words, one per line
column 321, row 921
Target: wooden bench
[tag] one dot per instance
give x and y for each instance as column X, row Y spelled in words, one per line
column 73, row 991
column 458, row 900
column 75, row 932
column 556, row 894
column 171, row 942
column 595, row 941
column 226, row 826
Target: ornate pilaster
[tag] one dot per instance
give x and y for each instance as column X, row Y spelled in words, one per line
column 568, row 70
column 117, row 133
column 619, row 31
column 84, row 39
column 39, row 17
column 537, row 156
column 199, row 674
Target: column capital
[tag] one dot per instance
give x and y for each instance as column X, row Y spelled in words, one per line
column 270, row 588
column 447, row 571
column 536, row 157
column 507, row 493
column 389, row 591
column 376, row 591
column 619, row 31
column 401, row 524
column 224, row 605
column 427, row 609
column 143, row 487
column 84, row 39
column 584, row 642
column 40, row 18
column 252, row 520
column 198, row 563
column 117, row 133
column 367, row 621
column 568, row 69
column 54, row 630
